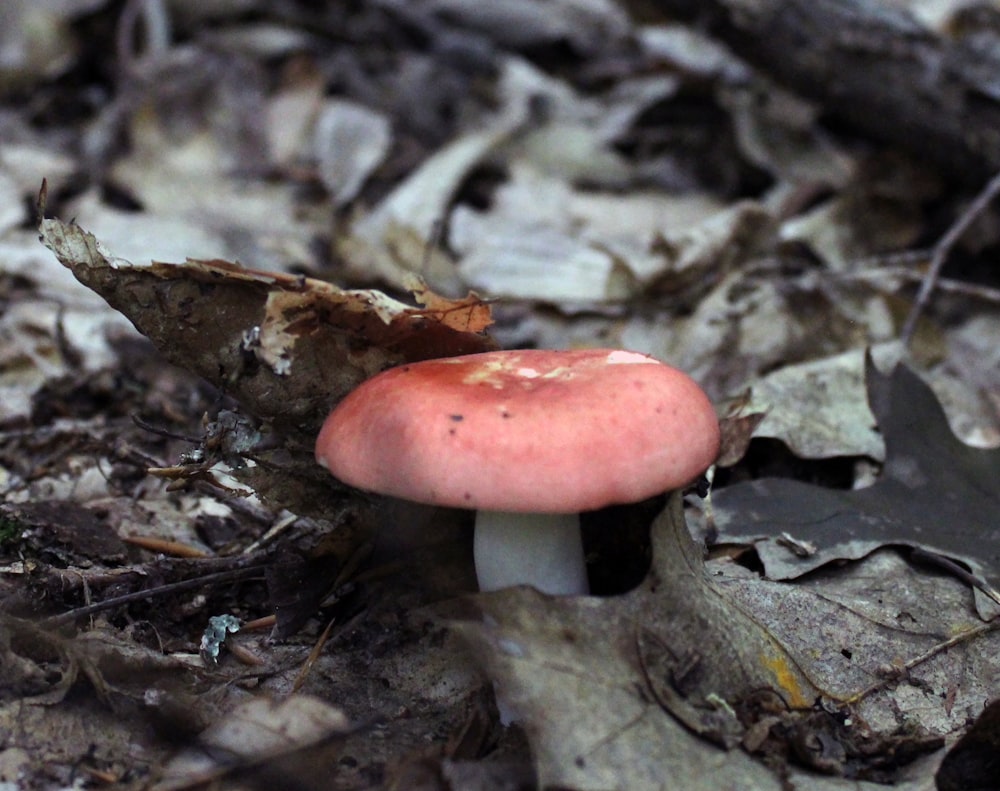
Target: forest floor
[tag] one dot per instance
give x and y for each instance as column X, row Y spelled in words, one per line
column 250, row 208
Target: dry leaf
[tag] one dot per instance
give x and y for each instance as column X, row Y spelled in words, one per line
column 286, row 347
column 393, row 241
column 818, row 408
column 975, row 761
column 601, row 685
column 351, row 141
column 257, row 732
column 935, row 493
column 615, row 693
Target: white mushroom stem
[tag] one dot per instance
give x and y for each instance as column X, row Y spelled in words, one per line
column 542, row 550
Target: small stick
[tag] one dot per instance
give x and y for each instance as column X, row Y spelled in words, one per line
column 165, row 546
column 941, row 252
column 160, row 590
column 926, row 656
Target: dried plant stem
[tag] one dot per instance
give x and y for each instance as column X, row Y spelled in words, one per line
column 941, row 252
column 938, row 648
column 256, row 570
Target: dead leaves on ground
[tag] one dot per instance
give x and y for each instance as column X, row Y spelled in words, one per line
column 263, row 337
column 934, row 494
column 649, row 684
column 892, row 651
column 246, row 330
column 258, row 738
column 286, row 347
column 727, row 663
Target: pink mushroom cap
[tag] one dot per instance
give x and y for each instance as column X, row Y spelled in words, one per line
column 526, row 431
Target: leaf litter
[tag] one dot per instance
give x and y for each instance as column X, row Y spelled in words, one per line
column 666, row 659
column 934, row 494
column 643, row 162
column 602, row 684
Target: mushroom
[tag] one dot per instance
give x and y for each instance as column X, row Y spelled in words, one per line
column 527, row 439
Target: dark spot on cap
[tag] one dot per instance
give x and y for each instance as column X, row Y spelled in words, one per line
column 457, row 418
column 505, row 414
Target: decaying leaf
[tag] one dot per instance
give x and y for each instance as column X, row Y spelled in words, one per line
column 247, row 331
column 350, row 142
column 43, row 665
column 459, row 314
column 37, row 665
column 624, row 692
column 596, row 681
column 63, row 533
column 935, row 494
column 829, row 416
column 395, row 239
column 737, row 426
column 258, row 731
column 902, row 646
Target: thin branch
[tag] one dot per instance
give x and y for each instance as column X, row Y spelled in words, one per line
column 939, row 648
column 160, row 590
column 899, row 273
column 941, row 252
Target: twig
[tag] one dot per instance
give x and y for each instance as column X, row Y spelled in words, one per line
column 160, row 590
column 163, row 432
column 956, row 570
column 930, row 653
column 941, row 252
column 900, row 273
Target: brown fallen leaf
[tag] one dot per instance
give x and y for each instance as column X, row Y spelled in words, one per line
column 257, row 738
column 286, row 347
column 737, row 427
column 590, row 679
column 640, row 691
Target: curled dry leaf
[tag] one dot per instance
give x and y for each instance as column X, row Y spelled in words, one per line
column 286, row 347
column 395, row 239
column 737, row 426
